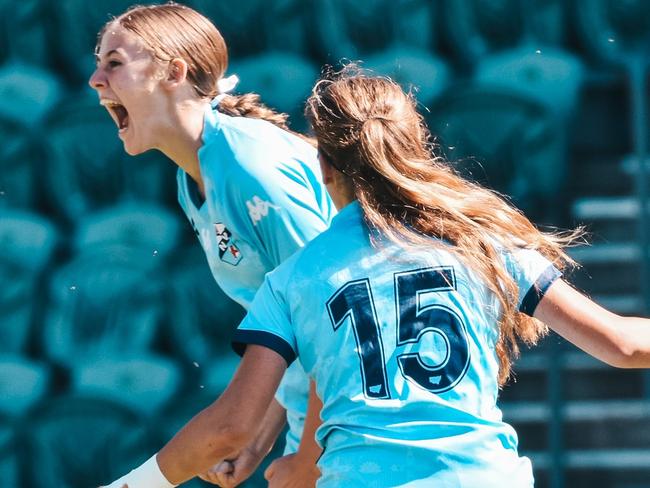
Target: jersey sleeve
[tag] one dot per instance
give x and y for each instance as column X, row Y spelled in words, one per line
column 533, row 273
column 267, row 324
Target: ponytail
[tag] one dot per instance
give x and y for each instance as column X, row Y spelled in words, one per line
column 369, row 129
column 249, row 105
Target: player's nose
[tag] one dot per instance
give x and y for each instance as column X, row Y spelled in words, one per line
column 97, row 80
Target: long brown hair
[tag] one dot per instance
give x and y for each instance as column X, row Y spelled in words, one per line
column 369, row 129
column 173, row 30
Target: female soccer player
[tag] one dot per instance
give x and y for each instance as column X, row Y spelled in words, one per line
column 406, row 313
column 251, row 189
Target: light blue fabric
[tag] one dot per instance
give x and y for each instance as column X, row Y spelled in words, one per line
column 401, row 344
column 264, row 200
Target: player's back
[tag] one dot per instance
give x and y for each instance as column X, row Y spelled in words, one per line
column 401, row 343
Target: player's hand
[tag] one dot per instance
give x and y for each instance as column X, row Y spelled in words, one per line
column 221, row 474
column 292, row 471
column 231, row 473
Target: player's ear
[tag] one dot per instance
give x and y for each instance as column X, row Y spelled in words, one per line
column 176, row 72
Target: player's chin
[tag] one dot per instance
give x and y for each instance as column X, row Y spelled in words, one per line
column 133, row 151
column 132, row 147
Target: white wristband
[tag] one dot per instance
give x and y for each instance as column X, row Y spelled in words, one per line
column 148, row 475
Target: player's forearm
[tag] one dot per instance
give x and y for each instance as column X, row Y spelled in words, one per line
column 209, row 438
column 623, row 342
column 221, row 430
column 635, row 342
column 309, row 450
column 186, row 455
column 272, row 424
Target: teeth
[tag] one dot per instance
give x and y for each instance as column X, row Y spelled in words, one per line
column 109, row 103
column 117, row 112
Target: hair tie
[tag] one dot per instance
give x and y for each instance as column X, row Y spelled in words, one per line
column 224, row 85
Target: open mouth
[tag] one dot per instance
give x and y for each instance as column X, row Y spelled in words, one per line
column 118, row 113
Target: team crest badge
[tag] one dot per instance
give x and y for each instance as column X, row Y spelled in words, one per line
column 228, row 251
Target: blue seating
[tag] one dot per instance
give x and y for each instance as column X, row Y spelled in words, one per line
column 27, row 243
column 503, row 139
column 551, row 75
column 8, row 455
column 81, row 21
column 139, row 225
column 23, row 382
column 27, row 94
column 219, row 370
column 81, row 441
column 82, row 176
column 144, row 382
column 280, row 24
column 104, row 302
column 18, row 179
column 354, row 30
column 476, row 28
column 412, row 68
column 391, row 38
column 23, row 31
column 282, row 79
column 86, row 167
column 611, row 31
column 201, row 318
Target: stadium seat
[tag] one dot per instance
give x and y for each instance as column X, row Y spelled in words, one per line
column 86, row 167
column 394, row 39
column 80, row 441
column 81, row 21
column 550, row 75
column 106, row 301
column 27, row 93
column 27, row 243
column 219, row 370
column 135, row 224
column 611, row 31
column 503, row 139
column 200, row 317
column 82, row 176
column 412, row 68
column 354, row 30
column 282, row 79
column 476, row 28
column 8, row 455
column 23, row 382
column 18, row 159
column 23, row 31
column 280, row 24
column 144, row 382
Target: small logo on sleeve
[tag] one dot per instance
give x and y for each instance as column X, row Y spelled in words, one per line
column 258, row 208
column 228, row 251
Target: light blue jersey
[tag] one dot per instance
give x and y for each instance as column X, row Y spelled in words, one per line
column 264, row 200
column 401, row 345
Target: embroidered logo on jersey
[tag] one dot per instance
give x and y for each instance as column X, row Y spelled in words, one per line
column 228, row 252
column 258, row 208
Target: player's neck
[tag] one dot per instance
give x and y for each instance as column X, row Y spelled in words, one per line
column 182, row 140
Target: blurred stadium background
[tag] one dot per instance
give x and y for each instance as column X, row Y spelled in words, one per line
column 112, row 332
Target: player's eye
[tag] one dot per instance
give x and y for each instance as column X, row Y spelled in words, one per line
column 113, row 63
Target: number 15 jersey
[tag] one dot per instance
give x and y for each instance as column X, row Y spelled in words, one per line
column 401, row 344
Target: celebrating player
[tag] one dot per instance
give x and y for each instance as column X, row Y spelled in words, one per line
column 406, row 313
column 251, row 188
